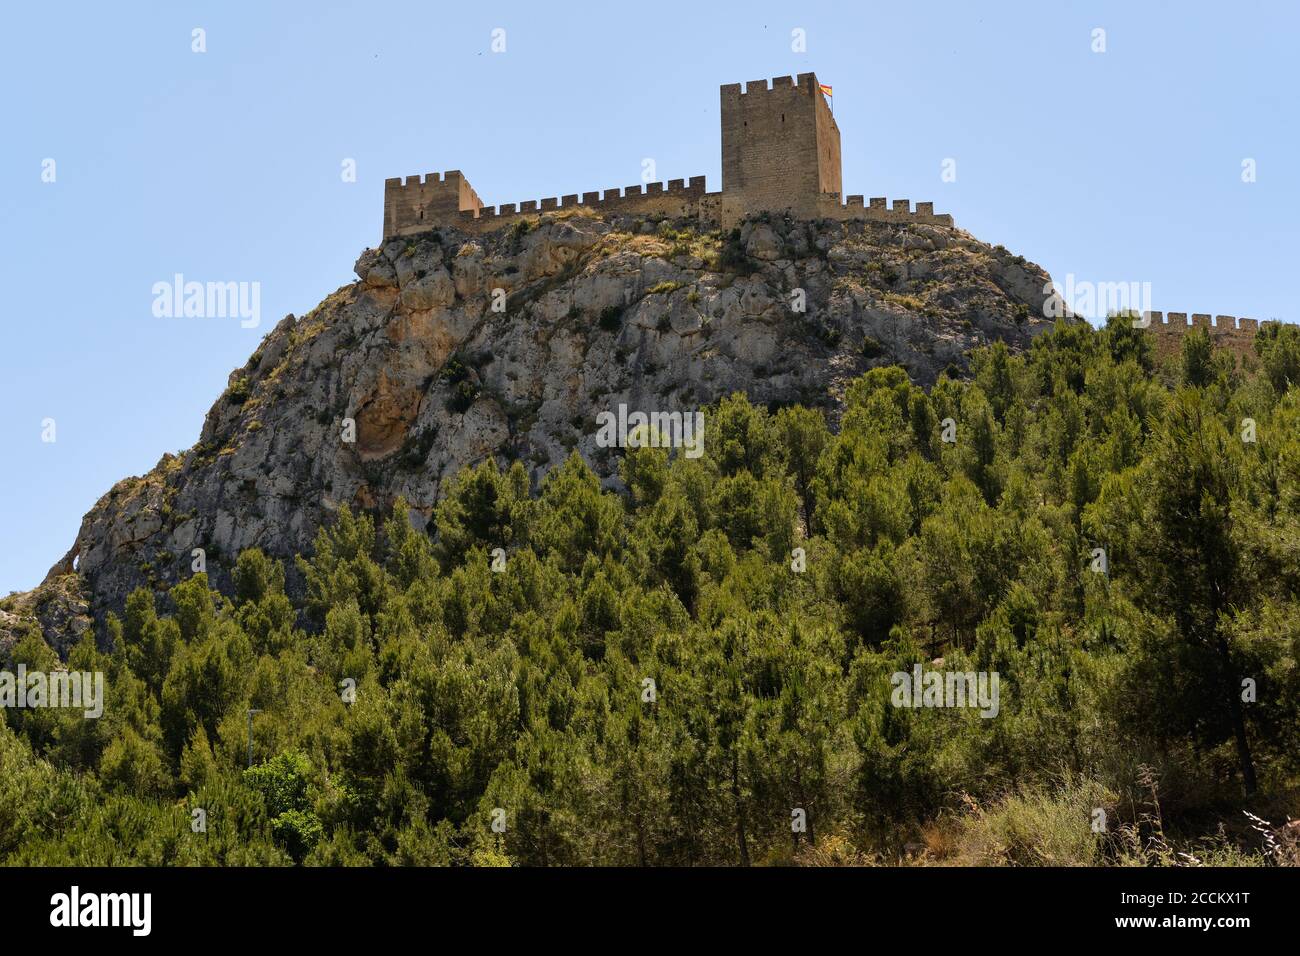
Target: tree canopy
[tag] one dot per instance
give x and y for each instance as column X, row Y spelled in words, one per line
column 672, row 671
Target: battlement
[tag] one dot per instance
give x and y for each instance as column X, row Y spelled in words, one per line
column 675, row 197
column 780, row 154
column 879, row 210
column 1226, row 331
column 419, row 204
column 1177, row 323
column 780, row 146
column 804, row 84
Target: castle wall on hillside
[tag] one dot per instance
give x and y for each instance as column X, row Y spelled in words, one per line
column 1225, row 331
column 880, row 209
column 780, row 154
column 422, row 204
column 675, row 198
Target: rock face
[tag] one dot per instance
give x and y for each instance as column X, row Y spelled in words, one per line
column 450, row 348
column 59, row 610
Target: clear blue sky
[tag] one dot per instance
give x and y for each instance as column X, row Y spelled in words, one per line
column 225, row 165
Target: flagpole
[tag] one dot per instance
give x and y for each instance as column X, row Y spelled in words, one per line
column 826, row 92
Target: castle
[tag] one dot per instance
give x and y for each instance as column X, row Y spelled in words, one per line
column 780, row 153
column 1225, row 331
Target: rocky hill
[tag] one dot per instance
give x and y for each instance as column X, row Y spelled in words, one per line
column 450, row 348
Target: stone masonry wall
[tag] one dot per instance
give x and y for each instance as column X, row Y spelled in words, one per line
column 1226, row 331
column 780, row 153
column 420, row 205
column 780, row 145
column 677, row 198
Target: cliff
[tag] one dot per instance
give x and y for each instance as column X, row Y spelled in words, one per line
column 450, row 348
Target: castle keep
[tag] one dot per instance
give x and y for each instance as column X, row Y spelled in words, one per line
column 780, row 153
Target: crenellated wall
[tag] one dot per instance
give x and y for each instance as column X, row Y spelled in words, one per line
column 880, row 210
column 418, row 205
column 677, row 197
column 780, row 153
column 1226, row 331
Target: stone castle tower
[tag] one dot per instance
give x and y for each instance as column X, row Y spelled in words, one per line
column 780, row 154
column 780, row 146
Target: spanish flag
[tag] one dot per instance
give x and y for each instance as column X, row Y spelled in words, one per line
column 826, row 89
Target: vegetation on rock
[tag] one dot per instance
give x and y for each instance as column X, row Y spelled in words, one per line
column 646, row 677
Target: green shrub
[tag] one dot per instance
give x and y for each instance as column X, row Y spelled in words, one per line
column 611, row 318
column 239, row 391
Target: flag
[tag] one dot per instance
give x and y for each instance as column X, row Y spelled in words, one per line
column 826, row 89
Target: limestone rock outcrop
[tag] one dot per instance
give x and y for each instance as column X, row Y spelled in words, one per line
column 451, row 347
